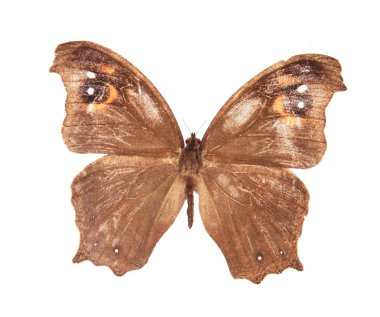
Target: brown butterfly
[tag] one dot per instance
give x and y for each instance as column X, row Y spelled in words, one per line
column 250, row 203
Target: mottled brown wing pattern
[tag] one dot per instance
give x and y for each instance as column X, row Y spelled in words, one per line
column 251, row 205
column 255, row 216
column 111, row 106
column 124, row 204
column 278, row 117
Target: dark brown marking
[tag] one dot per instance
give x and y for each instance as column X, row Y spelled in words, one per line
column 99, row 94
column 297, row 105
column 304, row 67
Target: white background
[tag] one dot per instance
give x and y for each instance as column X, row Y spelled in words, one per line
column 197, row 54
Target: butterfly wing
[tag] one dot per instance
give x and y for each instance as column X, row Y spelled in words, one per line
column 278, row 117
column 255, row 215
column 111, row 106
column 251, row 205
column 124, row 204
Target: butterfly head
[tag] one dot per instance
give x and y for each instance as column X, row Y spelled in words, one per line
column 193, row 143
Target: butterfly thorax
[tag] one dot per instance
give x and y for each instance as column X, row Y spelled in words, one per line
column 190, row 161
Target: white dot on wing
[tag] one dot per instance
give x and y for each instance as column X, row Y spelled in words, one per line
column 91, row 75
column 301, row 89
column 90, row 90
column 301, row 104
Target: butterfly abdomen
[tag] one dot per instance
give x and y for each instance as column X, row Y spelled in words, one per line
column 190, row 187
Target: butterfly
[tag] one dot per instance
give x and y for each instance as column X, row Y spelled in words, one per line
column 251, row 204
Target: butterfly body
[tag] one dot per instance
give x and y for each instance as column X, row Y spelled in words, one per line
column 190, row 165
column 250, row 203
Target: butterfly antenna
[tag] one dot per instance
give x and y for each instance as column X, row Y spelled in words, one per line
column 186, row 126
column 201, row 126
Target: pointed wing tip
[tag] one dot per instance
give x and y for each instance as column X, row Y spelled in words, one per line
column 343, row 87
column 340, row 86
column 332, row 62
column 297, row 265
column 59, row 50
column 53, row 69
column 79, row 257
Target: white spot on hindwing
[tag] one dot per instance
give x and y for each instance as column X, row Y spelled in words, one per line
column 241, row 113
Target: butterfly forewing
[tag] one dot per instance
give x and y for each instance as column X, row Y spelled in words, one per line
column 278, row 117
column 124, row 204
column 111, row 106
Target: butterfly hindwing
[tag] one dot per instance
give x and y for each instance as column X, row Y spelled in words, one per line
column 124, row 204
column 255, row 216
column 278, row 117
column 111, row 106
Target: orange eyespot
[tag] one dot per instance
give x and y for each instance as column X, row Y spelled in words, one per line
column 112, row 94
column 98, row 97
column 289, row 119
